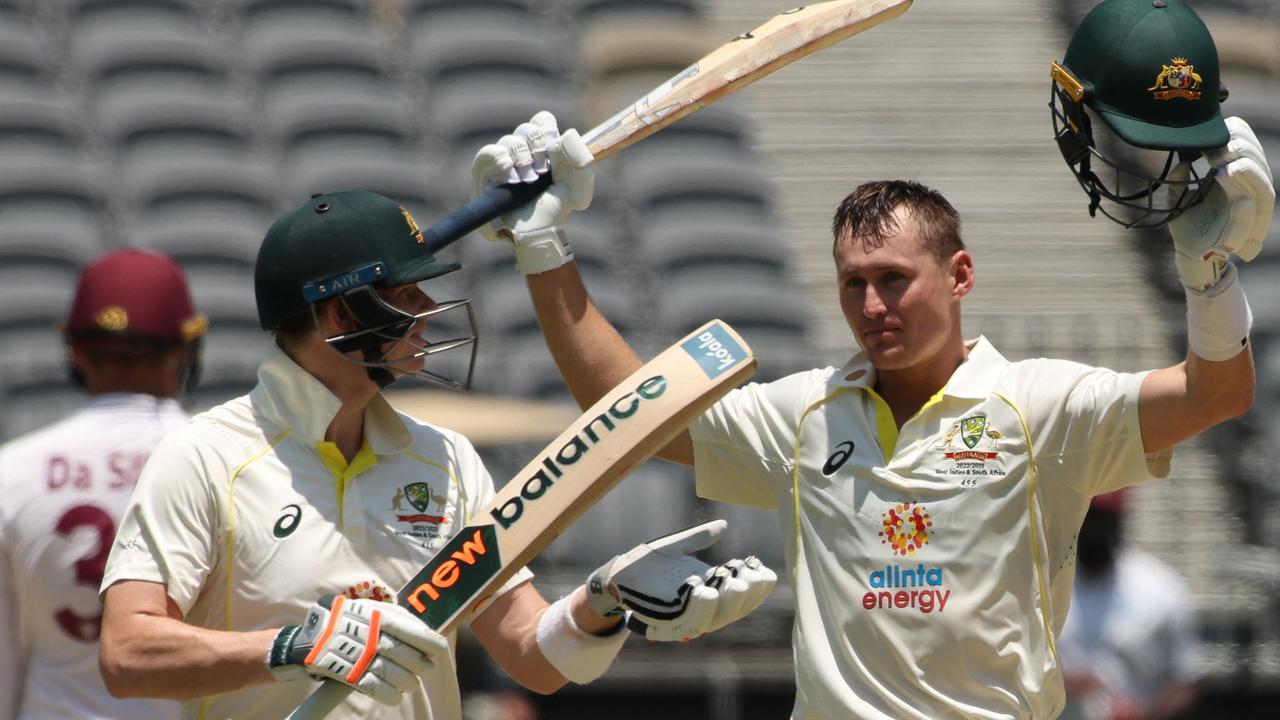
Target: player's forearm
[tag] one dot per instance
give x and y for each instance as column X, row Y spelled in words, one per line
column 1179, row 402
column 590, row 353
column 1223, row 390
column 160, row 657
column 592, row 356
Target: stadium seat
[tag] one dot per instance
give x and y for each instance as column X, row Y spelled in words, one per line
column 53, row 237
column 759, row 308
column 159, row 181
column 250, row 11
column 470, row 47
column 149, row 49
column 654, row 180
column 426, row 11
column 39, row 120
column 676, row 243
column 79, row 11
column 35, row 296
column 202, row 236
column 53, row 182
column 590, row 10
column 300, row 47
column 32, row 355
column 134, row 117
column 24, row 59
column 358, row 114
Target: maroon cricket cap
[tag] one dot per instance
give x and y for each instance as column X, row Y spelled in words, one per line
column 131, row 295
column 1112, row 502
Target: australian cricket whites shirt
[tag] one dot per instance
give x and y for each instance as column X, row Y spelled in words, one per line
column 932, row 564
column 247, row 516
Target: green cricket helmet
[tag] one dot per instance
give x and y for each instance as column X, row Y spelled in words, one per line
column 344, row 246
column 1148, row 69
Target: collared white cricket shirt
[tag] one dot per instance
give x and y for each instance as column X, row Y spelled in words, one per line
column 247, row 517
column 931, row 565
column 63, row 491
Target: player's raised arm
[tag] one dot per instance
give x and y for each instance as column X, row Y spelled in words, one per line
column 1215, row 192
column 590, row 353
column 1216, row 381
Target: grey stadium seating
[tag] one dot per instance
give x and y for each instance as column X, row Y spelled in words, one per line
column 40, row 120
column 24, row 59
column 162, row 180
column 150, row 49
column 134, row 117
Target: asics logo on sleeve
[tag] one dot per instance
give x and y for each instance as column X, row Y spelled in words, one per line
column 838, row 458
column 288, row 522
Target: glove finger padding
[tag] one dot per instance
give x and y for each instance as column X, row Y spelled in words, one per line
column 1235, row 215
column 1253, row 201
column 539, row 141
column 750, row 583
column 521, row 158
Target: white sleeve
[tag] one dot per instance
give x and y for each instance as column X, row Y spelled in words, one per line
column 12, row 655
column 743, row 446
column 170, row 531
column 1084, row 426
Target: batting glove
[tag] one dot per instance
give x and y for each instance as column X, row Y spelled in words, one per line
column 377, row 648
column 535, row 148
column 1233, row 218
column 672, row 595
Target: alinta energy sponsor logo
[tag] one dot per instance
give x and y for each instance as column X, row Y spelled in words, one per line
column 906, row 529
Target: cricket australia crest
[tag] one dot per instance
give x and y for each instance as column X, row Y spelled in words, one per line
column 1179, row 80
column 971, row 430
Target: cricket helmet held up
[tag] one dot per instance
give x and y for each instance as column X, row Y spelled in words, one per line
column 1148, row 69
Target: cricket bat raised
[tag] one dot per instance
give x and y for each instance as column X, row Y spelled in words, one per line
column 727, row 69
column 615, row 435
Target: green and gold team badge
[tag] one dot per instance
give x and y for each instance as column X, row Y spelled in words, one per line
column 971, row 430
column 419, row 495
column 1179, row 80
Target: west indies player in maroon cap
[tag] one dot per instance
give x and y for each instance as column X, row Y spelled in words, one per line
column 132, row 341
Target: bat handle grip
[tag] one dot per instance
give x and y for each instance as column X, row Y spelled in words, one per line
column 322, row 701
column 498, row 200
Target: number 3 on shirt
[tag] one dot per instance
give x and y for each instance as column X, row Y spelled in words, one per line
column 88, row 569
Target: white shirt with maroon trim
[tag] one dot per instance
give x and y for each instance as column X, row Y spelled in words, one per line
column 63, row 491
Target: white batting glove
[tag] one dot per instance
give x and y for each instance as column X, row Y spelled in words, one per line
column 1233, row 218
column 674, row 595
column 536, row 231
column 377, row 648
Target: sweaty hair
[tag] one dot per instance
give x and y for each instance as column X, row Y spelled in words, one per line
column 866, row 215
